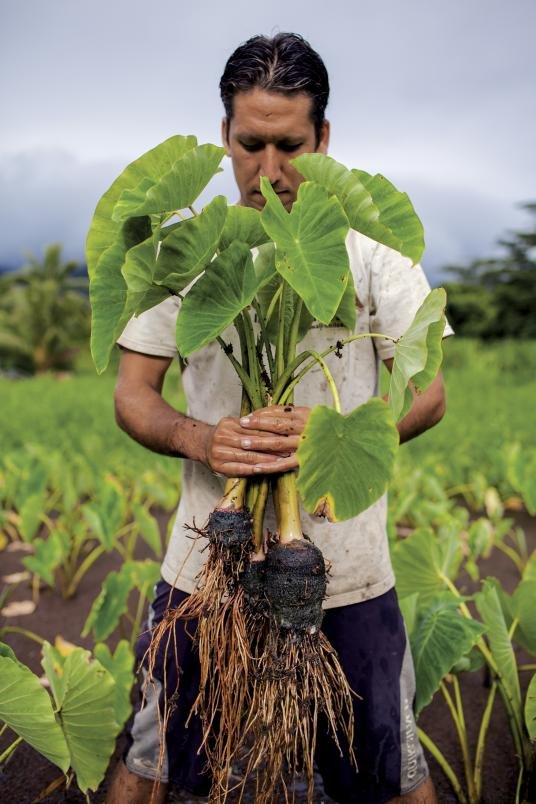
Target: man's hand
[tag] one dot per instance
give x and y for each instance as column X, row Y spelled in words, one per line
column 264, row 442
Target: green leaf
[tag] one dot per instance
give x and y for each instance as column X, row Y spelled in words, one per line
column 524, row 609
column 227, row 287
column 186, row 252
column 148, row 528
column 442, row 637
column 244, row 224
column 269, row 282
column 346, row 311
column 418, row 353
column 346, row 461
column 31, row 515
column 530, row 709
column 138, row 272
column 421, row 563
column 310, row 243
column 85, row 695
column 121, row 668
column 489, row 607
column 27, row 709
column 529, row 573
column 176, row 189
column 110, row 604
column 372, row 204
column 108, row 242
column 408, row 607
column 47, row 557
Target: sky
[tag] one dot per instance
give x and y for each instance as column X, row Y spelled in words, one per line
column 439, row 97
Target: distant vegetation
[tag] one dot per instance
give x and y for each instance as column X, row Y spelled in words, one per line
column 496, row 298
column 44, row 314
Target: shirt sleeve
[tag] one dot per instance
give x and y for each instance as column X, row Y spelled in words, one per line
column 153, row 332
column 398, row 288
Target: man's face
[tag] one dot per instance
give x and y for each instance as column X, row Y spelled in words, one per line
column 266, row 131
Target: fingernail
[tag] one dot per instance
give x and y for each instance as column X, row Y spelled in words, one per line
column 245, row 443
column 244, row 422
column 257, row 469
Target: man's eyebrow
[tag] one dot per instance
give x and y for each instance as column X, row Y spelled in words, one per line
column 251, row 139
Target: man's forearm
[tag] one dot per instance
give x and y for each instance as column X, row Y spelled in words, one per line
column 150, row 420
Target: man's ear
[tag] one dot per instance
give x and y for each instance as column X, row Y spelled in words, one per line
column 225, row 134
column 323, row 143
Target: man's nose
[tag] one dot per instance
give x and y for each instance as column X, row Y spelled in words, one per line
column 271, row 163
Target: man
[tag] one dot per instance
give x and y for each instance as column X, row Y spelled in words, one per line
column 275, row 91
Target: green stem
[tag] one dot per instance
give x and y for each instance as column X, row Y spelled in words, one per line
column 280, row 348
column 462, row 737
column 9, row 750
column 192, row 210
column 234, row 494
column 244, row 377
column 272, row 305
column 526, row 667
column 265, row 339
column 515, row 726
column 258, row 514
column 294, row 330
column 288, row 508
column 479, row 753
column 16, row 629
column 512, row 555
column 327, row 374
column 252, row 355
column 446, row 767
column 83, row 568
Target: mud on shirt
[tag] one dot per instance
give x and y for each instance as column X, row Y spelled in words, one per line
column 389, row 290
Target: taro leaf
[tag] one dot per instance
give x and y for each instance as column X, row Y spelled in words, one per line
column 120, row 665
column 176, row 189
column 489, row 607
column 153, row 164
column 244, row 224
column 524, row 609
column 108, row 242
column 31, row 512
column 138, row 271
column 529, row 573
column 310, row 243
column 408, row 607
column 530, row 709
column 521, row 473
column 418, row 353
column 191, row 246
column 107, row 514
column 148, row 528
column 442, row 637
column 112, row 601
column 422, row 562
column 110, row 604
column 372, row 204
column 27, row 709
column 266, row 293
column 85, row 695
column 346, row 311
column 346, row 461
column 227, row 287
column 47, row 557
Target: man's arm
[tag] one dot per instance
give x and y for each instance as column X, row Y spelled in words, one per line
column 226, row 447
column 428, row 408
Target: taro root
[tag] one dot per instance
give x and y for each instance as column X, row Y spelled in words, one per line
column 295, row 671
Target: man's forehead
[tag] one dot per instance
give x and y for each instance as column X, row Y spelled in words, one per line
column 273, row 114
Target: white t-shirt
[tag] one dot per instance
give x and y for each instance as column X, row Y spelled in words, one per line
column 389, row 291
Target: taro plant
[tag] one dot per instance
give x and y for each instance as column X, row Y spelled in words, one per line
column 448, row 638
column 146, row 242
column 76, row 725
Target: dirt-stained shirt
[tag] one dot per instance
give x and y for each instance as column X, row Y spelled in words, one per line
column 389, row 291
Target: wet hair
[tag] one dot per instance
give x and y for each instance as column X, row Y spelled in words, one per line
column 284, row 63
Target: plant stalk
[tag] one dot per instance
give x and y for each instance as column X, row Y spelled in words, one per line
column 446, row 767
column 288, row 508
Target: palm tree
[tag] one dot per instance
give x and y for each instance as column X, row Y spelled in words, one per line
column 44, row 313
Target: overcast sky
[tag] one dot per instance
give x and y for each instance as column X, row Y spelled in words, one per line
column 439, row 97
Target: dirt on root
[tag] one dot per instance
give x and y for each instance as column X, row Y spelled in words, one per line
column 27, row 774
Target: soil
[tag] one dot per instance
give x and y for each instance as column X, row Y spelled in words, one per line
column 28, row 774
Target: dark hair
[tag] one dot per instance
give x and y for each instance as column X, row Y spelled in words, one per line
column 283, row 63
